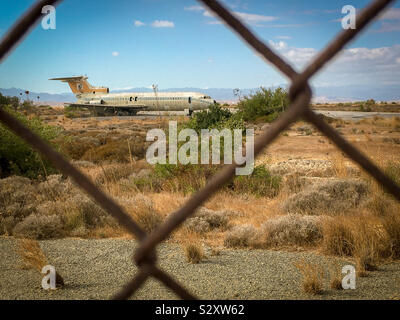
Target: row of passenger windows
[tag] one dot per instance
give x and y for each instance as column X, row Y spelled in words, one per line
column 144, row 98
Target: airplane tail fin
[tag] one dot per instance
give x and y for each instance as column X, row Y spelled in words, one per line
column 80, row 85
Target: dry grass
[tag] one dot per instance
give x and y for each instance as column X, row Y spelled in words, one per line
column 193, row 248
column 240, row 236
column 291, row 230
column 31, row 254
column 369, row 239
column 312, row 277
column 330, row 197
column 33, row 257
column 194, row 252
column 142, row 211
column 336, row 277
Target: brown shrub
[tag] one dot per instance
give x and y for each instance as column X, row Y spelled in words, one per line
column 55, row 187
column 291, row 230
column 116, row 150
column 143, row 212
column 197, row 225
column 194, row 252
column 331, row 196
column 312, row 277
column 75, row 147
column 338, row 238
column 39, row 227
column 206, row 220
column 391, row 225
column 361, row 236
column 17, row 201
column 113, row 173
column 240, row 236
column 336, row 284
column 149, row 220
column 381, row 205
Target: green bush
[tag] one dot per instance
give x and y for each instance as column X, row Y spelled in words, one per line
column 215, row 118
column 190, row 178
column 9, row 101
column 16, row 156
column 264, row 103
column 261, row 183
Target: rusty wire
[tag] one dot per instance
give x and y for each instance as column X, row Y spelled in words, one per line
column 300, row 97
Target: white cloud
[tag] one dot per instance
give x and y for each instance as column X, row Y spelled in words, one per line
column 390, row 14
column 354, row 65
column 388, row 27
column 163, row 24
column 194, row 8
column 283, row 37
column 115, row 53
column 250, row 18
column 210, row 60
column 139, row 23
column 254, row 18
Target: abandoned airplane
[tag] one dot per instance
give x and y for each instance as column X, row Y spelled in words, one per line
column 102, row 102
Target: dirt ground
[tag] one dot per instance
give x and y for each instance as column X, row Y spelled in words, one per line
column 96, row 269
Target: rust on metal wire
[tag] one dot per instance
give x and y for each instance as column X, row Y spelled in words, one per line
column 300, row 97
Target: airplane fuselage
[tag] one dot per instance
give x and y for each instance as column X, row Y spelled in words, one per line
column 164, row 101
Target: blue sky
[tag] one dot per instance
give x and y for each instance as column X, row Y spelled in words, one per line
column 176, row 44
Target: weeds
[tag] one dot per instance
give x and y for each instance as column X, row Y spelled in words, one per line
column 33, row 257
column 17, row 157
column 291, row 230
column 312, row 277
column 31, row 254
column 240, row 236
column 193, row 249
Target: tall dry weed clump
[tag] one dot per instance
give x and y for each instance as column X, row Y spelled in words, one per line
column 336, row 276
column 33, row 257
column 194, row 252
column 312, row 282
column 143, row 212
column 192, row 247
column 367, row 238
column 31, row 254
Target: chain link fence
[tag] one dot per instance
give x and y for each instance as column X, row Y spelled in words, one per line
column 300, row 96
